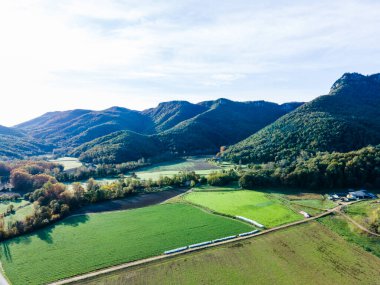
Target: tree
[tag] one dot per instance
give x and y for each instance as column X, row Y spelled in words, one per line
column 21, row 180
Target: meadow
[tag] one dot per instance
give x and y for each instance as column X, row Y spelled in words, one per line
column 16, row 204
column 22, row 209
column 85, row 243
column 362, row 211
column 68, row 163
column 197, row 164
column 352, row 234
column 254, row 205
column 316, row 203
column 305, row 254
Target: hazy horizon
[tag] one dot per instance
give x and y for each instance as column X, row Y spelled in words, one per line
column 135, row 54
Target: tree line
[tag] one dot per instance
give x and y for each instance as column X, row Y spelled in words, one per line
column 54, row 200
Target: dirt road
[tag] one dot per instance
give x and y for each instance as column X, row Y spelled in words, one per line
column 364, row 229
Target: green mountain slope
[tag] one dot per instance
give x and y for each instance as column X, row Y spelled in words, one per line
column 118, row 147
column 15, row 144
column 72, row 128
column 224, row 122
column 168, row 114
column 346, row 119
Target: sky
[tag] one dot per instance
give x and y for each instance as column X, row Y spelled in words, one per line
column 68, row 54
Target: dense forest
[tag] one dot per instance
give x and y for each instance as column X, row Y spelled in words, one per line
column 16, row 144
column 117, row 134
column 345, row 120
column 321, row 171
column 202, row 134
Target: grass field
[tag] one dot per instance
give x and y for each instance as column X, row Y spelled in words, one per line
column 4, row 205
column 361, row 211
column 206, row 187
column 68, row 162
column 250, row 204
column 84, row 243
column 20, row 214
column 352, row 234
column 316, row 203
column 197, row 164
column 305, row 254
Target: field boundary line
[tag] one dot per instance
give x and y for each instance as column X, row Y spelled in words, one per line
column 162, row 257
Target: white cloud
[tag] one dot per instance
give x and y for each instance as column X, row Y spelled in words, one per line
column 64, row 54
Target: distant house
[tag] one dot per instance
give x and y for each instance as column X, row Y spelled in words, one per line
column 337, row 196
column 334, row 197
column 6, row 187
column 361, row 194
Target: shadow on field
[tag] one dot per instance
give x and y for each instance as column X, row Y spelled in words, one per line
column 75, row 220
column 6, row 251
column 46, row 233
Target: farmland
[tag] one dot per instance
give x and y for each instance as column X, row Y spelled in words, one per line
column 305, row 254
column 361, row 213
column 316, row 203
column 22, row 209
column 250, row 204
column 352, row 234
column 69, row 163
column 197, row 164
column 87, row 242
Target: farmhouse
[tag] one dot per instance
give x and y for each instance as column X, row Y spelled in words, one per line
column 361, row 194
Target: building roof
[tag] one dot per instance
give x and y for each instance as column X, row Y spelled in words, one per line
column 359, row 193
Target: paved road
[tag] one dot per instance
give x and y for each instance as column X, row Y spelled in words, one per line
column 155, row 258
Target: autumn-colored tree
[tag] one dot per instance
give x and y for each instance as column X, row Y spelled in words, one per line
column 21, row 180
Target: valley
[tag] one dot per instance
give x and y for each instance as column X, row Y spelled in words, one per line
column 218, row 192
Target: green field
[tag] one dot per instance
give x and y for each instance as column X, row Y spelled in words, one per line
column 68, row 162
column 206, row 187
column 305, row 254
column 197, row 164
column 361, row 211
column 84, row 243
column 5, row 204
column 254, row 205
column 19, row 214
column 352, row 234
column 314, row 203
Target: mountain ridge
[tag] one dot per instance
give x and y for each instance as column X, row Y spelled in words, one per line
column 346, row 119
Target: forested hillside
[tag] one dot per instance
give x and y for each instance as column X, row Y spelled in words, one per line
column 72, row 128
column 16, row 144
column 346, row 119
column 224, row 122
column 118, row 134
column 119, row 147
column 168, row 114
